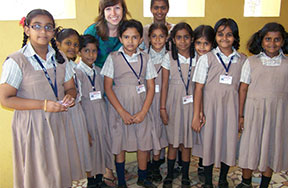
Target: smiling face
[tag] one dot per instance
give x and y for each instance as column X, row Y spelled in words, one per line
column 157, row 39
column 69, row 46
column 224, row 37
column 114, row 14
column 272, row 43
column 159, row 10
column 88, row 54
column 130, row 40
column 202, row 46
column 39, row 31
column 183, row 41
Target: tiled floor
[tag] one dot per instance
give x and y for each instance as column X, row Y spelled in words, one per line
column 234, row 177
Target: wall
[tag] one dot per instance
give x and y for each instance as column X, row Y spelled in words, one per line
column 12, row 35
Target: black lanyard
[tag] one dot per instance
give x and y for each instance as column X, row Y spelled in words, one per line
column 159, row 69
column 138, row 77
column 189, row 74
column 76, row 81
column 54, row 87
column 229, row 64
column 92, row 81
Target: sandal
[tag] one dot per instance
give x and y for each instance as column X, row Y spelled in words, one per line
column 109, row 181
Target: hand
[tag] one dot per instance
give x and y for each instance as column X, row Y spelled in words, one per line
column 68, row 101
column 139, row 117
column 202, row 119
column 196, row 124
column 126, row 117
column 164, row 117
column 90, row 139
column 241, row 124
column 53, row 106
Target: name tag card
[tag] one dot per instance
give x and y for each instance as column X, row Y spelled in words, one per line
column 224, row 79
column 140, row 88
column 187, row 99
column 157, row 89
column 94, row 95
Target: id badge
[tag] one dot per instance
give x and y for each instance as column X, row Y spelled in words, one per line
column 224, row 79
column 140, row 88
column 187, row 99
column 157, row 89
column 94, row 95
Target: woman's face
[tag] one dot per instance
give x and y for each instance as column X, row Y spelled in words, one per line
column 114, row 14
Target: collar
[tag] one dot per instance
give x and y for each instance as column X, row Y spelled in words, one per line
column 234, row 53
column 138, row 51
column 154, row 54
column 29, row 51
column 88, row 70
column 280, row 55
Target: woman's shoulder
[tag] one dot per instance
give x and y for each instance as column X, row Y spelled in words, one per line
column 91, row 30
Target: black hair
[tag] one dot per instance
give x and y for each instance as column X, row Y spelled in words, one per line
column 177, row 27
column 87, row 39
column 32, row 14
column 130, row 24
column 205, row 31
column 155, row 26
column 228, row 22
column 254, row 44
column 165, row 1
column 63, row 33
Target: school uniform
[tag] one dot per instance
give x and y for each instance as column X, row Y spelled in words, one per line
column 95, row 111
column 220, row 105
column 179, row 130
column 264, row 138
column 77, row 118
column 156, row 59
column 136, row 136
column 40, row 148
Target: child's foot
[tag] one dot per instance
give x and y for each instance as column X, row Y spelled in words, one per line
column 223, row 184
column 91, row 183
column 185, row 183
column 102, row 184
column 243, row 185
column 145, row 183
column 156, row 175
column 207, row 186
column 201, row 175
column 176, row 172
column 122, row 186
column 167, row 183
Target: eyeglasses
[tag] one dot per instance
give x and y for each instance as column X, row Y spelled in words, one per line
column 38, row 27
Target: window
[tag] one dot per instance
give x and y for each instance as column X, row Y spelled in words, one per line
column 16, row 9
column 262, row 8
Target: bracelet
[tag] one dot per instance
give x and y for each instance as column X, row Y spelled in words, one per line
column 162, row 108
column 45, row 105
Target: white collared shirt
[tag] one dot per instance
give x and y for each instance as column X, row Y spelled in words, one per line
column 182, row 60
column 12, row 74
column 266, row 61
column 156, row 57
column 202, row 67
column 108, row 67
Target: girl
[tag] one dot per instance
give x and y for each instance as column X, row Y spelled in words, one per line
column 204, row 37
column 94, row 107
column 111, row 14
column 217, row 75
column 67, row 41
column 157, row 35
column 159, row 9
column 130, row 119
column 178, row 66
column 37, row 82
column 263, row 91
